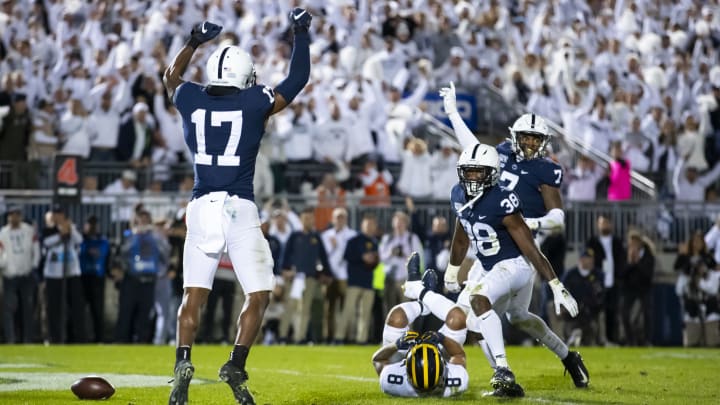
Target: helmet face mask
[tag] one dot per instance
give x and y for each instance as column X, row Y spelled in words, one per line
column 478, row 169
column 529, row 137
column 230, row 66
column 426, row 368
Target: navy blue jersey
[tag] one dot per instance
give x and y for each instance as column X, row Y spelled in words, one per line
column 525, row 178
column 224, row 133
column 483, row 223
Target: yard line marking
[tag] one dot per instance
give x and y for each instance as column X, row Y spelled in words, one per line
column 338, row 376
column 31, row 381
column 22, row 365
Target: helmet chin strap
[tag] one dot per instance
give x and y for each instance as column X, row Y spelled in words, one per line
column 471, row 202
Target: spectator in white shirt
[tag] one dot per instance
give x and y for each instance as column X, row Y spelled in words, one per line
column 330, row 143
column 104, row 127
column 583, row 180
column 395, row 247
column 335, row 240
column 297, row 128
column 75, row 129
column 416, row 170
column 689, row 185
column 43, row 143
column 170, row 126
column 123, row 187
column 19, row 255
column 444, row 170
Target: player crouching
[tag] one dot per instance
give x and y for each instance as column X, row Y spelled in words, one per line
column 432, row 364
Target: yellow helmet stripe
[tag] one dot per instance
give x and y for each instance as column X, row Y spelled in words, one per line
column 437, row 365
column 412, row 367
column 426, row 383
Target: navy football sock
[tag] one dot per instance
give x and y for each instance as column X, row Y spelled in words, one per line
column 182, row 353
column 239, row 355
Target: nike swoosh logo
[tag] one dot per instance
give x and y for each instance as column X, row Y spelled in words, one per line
column 481, row 217
column 584, row 377
column 297, row 17
column 213, row 201
column 523, row 172
column 204, row 28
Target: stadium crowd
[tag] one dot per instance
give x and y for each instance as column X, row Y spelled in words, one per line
column 634, row 79
column 84, row 79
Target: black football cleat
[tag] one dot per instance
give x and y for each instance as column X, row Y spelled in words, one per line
column 184, row 371
column 236, row 379
column 431, row 280
column 503, row 382
column 413, row 267
column 575, row 366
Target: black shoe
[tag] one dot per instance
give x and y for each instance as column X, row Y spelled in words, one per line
column 575, row 366
column 184, row 371
column 430, row 280
column 503, row 382
column 236, row 379
column 413, row 267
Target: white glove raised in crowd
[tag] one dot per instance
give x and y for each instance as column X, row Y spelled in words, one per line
column 448, row 95
column 562, row 297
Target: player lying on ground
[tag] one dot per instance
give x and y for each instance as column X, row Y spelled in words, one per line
column 432, row 364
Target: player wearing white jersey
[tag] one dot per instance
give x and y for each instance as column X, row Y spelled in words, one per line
column 432, row 364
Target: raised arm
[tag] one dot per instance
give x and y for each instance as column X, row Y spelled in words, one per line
column 462, row 132
column 299, row 71
column 200, row 34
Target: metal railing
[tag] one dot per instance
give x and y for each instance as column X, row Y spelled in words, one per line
column 666, row 225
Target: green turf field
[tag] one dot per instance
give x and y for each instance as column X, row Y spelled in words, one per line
column 344, row 375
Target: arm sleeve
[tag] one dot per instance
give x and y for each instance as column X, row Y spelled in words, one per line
column 462, row 132
column 299, row 68
column 553, row 219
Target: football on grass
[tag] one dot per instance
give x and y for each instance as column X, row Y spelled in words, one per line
column 92, row 387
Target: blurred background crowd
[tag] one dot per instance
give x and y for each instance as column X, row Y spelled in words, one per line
column 626, row 83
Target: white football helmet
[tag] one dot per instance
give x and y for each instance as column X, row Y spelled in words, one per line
column 533, row 125
column 478, row 157
column 230, row 66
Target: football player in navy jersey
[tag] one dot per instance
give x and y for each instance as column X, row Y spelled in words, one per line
column 224, row 122
column 536, row 181
column 489, row 217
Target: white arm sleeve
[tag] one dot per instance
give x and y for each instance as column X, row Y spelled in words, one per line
column 462, row 132
column 555, row 218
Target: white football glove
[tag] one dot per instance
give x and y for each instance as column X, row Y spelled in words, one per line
column 532, row 223
column 448, row 95
column 451, row 281
column 412, row 289
column 562, row 297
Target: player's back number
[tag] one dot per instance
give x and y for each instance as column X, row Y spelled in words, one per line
column 217, row 118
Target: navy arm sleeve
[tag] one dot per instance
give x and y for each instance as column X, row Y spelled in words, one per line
column 299, row 68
